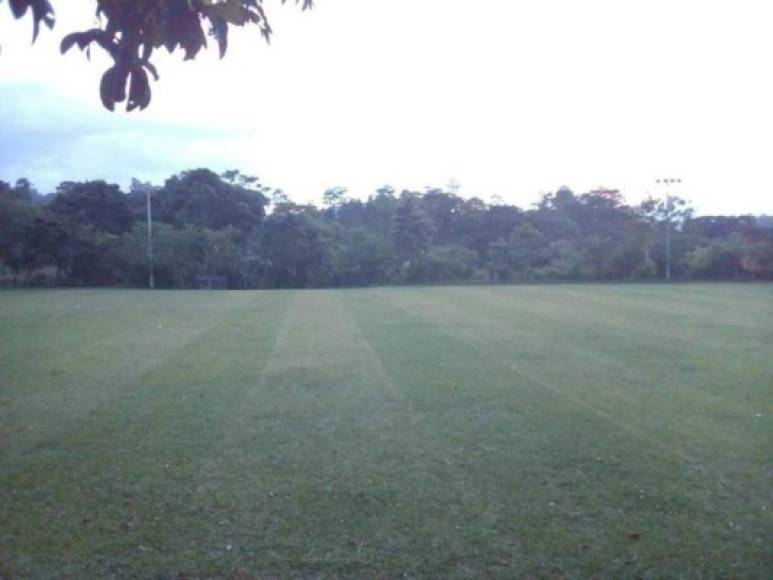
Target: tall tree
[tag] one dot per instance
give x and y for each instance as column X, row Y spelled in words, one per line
column 292, row 251
column 667, row 214
column 412, row 229
column 98, row 204
column 17, row 217
column 444, row 210
column 334, row 197
column 203, row 198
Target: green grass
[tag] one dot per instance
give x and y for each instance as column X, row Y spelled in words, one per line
column 544, row 431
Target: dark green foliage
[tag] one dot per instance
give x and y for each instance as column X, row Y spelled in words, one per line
column 204, row 199
column 362, row 258
column 129, row 31
column 291, row 251
column 17, row 217
column 333, row 198
column 42, row 12
column 207, row 224
column 93, row 203
column 412, row 229
column 442, row 263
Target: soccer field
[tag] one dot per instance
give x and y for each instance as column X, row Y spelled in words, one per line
column 550, row 431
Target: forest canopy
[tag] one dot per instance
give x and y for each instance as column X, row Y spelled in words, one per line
column 236, row 229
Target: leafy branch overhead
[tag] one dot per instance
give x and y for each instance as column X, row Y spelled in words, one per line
column 130, row 30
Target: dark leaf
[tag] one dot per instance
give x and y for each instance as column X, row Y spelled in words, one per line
column 139, row 90
column 151, row 69
column 106, row 89
column 220, row 32
column 19, row 7
column 41, row 12
column 112, row 89
column 69, row 41
column 84, row 39
column 192, row 38
column 119, row 84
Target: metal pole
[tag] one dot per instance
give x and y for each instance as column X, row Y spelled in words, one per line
column 668, row 249
column 669, row 208
column 151, row 281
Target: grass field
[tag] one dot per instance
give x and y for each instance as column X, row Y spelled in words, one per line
column 546, row 431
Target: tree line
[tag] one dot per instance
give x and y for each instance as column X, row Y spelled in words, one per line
column 232, row 228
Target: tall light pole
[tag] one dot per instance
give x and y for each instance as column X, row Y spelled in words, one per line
column 151, row 280
column 668, row 209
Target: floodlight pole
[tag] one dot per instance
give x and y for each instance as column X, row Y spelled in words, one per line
column 668, row 247
column 151, row 280
column 668, row 182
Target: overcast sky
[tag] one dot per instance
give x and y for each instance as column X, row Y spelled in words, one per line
column 508, row 97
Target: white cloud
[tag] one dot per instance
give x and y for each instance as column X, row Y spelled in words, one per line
column 509, row 98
